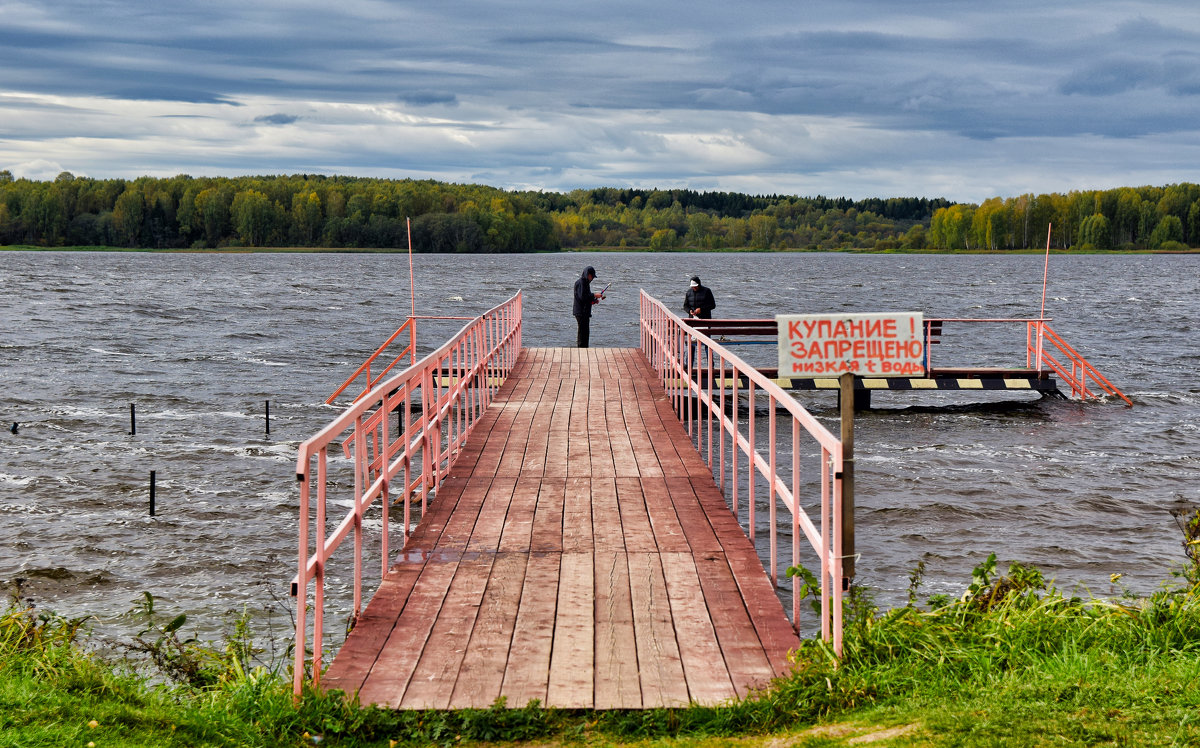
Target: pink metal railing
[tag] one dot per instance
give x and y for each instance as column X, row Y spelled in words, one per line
column 1075, row 371
column 934, row 328
column 438, row 400
column 1037, row 334
column 697, row 373
column 409, row 350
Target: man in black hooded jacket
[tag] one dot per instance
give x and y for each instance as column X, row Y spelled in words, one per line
column 699, row 301
column 582, row 308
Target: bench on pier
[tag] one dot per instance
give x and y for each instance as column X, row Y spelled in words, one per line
column 715, row 328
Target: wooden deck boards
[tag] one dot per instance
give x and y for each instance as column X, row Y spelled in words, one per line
column 579, row 554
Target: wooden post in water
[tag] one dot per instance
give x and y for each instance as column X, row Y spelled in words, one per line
column 268, row 414
column 132, row 422
column 151, row 493
column 847, row 408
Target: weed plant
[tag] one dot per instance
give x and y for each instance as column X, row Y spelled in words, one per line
column 1012, row 661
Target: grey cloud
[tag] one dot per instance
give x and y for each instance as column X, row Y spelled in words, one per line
column 277, row 119
column 627, row 73
column 1113, row 76
column 169, row 93
column 427, row 98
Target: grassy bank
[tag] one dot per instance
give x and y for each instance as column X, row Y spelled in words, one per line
column 1012, row 662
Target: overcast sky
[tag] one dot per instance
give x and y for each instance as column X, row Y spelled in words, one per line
column 957, row 99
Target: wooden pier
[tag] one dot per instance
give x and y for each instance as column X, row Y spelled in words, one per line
column 579, row 553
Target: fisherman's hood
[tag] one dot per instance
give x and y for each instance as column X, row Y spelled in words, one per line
column 587, row 270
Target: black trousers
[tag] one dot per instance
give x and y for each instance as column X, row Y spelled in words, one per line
column 581, row 337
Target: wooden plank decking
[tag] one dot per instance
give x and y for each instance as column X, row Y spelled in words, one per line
column 579, row 554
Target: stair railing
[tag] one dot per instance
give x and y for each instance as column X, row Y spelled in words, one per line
column 1075, row 370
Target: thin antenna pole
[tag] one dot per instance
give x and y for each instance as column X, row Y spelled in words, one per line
column 1042, row 314
column 1046, row 271
column 412, row 289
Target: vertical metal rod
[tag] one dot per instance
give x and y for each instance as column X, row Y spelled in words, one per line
column 151, row 493
column 319, row 578
column 268, row 414
column 1042, row 313
column 132, row 421
column 847, row 392
column 385, row 496
column 300, row 591
column 412, row 283
column 751, row 468
column 723, row 424
column 771, row 479
column 796, row 523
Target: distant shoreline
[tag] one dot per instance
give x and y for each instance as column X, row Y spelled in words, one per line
column 681, row 250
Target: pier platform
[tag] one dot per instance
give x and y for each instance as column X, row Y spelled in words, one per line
column 579, row 553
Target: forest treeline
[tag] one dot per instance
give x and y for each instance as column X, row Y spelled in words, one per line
column 185, row 212
column 1127, row 218
column 350, row 212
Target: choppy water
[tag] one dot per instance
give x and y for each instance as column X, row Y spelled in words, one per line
column 199, row 342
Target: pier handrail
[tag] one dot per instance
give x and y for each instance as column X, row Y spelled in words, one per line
column 1075, row 371
column 410, row 350
column 693, row 367
column 451, row 388
column 1037, row 333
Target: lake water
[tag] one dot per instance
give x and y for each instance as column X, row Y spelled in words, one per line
column 199, row 342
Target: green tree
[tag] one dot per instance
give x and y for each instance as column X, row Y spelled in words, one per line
column 663, row 239
column 1094, row 232
column 989, row 225
column 1128, row 216
column 763, row 230
column 914, row 238
column 950, row 227
column 1192, row 232
column 253, row 217
column 446, row 232
column 212, row 210
column 1169, row 229
column 127, row 215
column 307, row 220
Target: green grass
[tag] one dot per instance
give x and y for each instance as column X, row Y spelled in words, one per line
column 1013, row 662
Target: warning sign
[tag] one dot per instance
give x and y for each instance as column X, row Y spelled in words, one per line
column 880, row 345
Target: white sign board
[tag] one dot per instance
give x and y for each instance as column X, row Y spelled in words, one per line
column 867, row 345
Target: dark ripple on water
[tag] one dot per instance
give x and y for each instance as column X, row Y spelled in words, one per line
column 198, row 342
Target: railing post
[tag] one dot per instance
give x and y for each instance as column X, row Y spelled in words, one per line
column 319, row 591
column 733, row 445
column 796, row 523
column 830, row 576
column 751, row 468
column 721, row 427
column 708, row 405
column 407, row 488
column 361, row 479
column 301, row 589
column 1041, row 336
column 385, row 496
column 426, row 386
column 771, row 492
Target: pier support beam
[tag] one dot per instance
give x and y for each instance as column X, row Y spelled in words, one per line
column 860, row 397
column 848, row 405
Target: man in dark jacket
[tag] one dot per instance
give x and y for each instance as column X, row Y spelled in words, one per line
column 582, row 308
column 699, row 301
